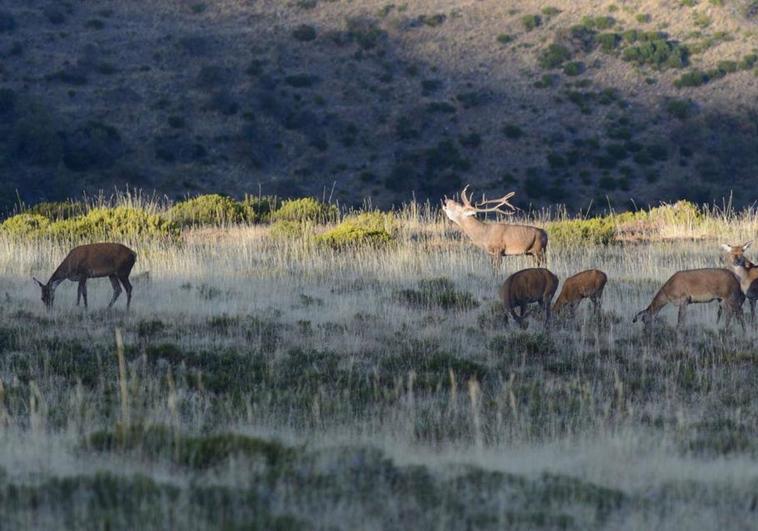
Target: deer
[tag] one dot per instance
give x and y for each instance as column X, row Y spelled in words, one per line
column 525, row 287
column 695, row 286
column 585, row 285
column 95, row 260
column 496, row 239
column 746, row 271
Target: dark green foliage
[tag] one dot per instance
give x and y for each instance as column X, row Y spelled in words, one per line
column 550, row 11
column 643, row 18
column 55, row 211
column 554, row 56
column 654, row 49
column 693, row 78
column 505, row 38
column 680, row 109
column 304, row 33
column 609, row 41
column 748, row 61
column 513, row 131
column 34, row 139
column 437, row 292
column 599, row 22
column 432, row 20
column 573, row 68
column 470, row 140
column 365, row 229
column 531, row 22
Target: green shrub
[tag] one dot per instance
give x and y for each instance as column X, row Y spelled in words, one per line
column 600, row 22
column 258, row 209
column 550, row 11
column 365, row 229
column 554, row 56
column 748, row 61
column 289, row 230
column 432, row 20
column 573, row 68
column 58, row 210
column 26, row 225
column 643, row 18
column 693, row 78
column 679, row 108
column 530, row 22
column 365, row 32
column 655, row 50
column 505, row 38
column 118, row 223
column 596, row 230
column 212, row 209
column 305, row 209
column 608, row 41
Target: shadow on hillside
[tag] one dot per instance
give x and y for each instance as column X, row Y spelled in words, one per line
column 308, row 101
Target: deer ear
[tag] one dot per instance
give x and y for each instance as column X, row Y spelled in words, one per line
column 746, row 245
column 726, row 247
column 41, row 285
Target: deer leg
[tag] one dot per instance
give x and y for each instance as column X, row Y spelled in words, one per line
column 752, row 311
column 116, row 289
column 682, row 315
column 128, row 288
column 82, row 292
column 546, row 307
column 78, row 292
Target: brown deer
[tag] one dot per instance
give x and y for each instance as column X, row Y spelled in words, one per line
column 585, row 285
column 697, row 286
column 95, row 260
column 525, row 287
column 497, row 239
column 746, row 271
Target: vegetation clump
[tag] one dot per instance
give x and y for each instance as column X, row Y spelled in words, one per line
column 212, row 209
column 305, row 209
column 366, row 229
column 554, row 56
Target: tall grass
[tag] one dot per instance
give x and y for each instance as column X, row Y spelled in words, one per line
column 273, row 383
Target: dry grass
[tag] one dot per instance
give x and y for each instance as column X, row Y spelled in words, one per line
column 344, row 394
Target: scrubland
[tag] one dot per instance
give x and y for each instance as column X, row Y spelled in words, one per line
column 270, row 381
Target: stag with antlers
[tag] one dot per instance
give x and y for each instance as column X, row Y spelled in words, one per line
column 497, row 239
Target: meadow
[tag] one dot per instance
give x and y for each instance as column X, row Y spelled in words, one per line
column 264, row 381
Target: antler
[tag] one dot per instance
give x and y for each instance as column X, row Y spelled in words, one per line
column 503, row 201
column 466, row 200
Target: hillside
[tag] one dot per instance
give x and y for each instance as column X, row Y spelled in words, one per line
column 573, row 102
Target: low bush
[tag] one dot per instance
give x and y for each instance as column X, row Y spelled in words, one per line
column 289, row 230
column 305, row 209
column 596, row 230
column 554, row 56
column 530, row 22
column 121, row 222
column 693, row 78
column 304, row 33
column 57, row 210
column 367, row 229
column 212, row 209
column 26, row 225
column 258, row 209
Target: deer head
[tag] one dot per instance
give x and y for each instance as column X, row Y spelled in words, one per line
column 736, row 253
column 48, row 293
column 458, row 211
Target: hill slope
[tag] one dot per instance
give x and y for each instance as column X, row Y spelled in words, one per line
column 570, row 101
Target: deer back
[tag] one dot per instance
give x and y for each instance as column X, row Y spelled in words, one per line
column 97, row 260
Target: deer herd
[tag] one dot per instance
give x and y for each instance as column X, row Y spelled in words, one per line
column 730, row 286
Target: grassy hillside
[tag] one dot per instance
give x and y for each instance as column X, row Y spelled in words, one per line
column 564, row 102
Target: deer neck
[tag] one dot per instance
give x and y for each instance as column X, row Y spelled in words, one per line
column 473, row 228
column 746, row 274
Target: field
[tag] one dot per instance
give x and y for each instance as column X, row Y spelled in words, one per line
column 268, row 383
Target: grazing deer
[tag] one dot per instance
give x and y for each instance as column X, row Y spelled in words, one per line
column 497, row 239
column 697, row 286
column 525, row 287
column 95, row 260
column 585, row 285
column 746, row 271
